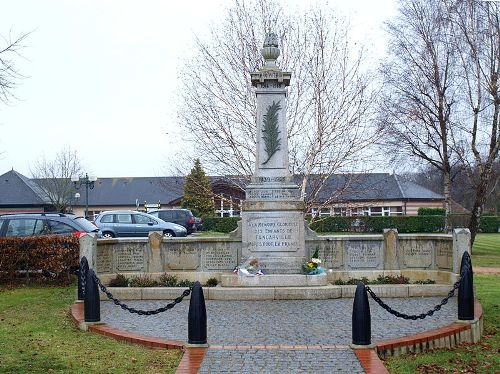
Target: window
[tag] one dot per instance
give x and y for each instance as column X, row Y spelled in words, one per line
column 60, row 228
column 376, row 211
column 396, row 210
column 166, row 216
column 123, row 218
column 324, row 212
column 21, row 227
column 142, row 219
column 108, row 218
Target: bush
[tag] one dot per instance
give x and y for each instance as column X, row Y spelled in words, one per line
column 51, row 255
column 489, row 224
column 185, row 283
column 167, row 280
column 119, row 281
column 431, row 211
column 212, row 282
column 404, row 224
column 391, row 279
column 143, row 280
column 220, row 224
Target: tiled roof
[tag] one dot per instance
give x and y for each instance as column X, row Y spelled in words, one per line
column 16, row 189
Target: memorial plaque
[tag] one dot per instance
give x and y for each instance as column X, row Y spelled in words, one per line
column 272, row 194
column 104, row 263
column 363, row 254
column 331, row 255
column 417, row 254
column 444, row 255
column 130, row 259
column 220, row 259
column 273, row 233
column 185, row 259
column 281, row 265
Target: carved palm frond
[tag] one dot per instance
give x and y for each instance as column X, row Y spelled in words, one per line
column 270, row 132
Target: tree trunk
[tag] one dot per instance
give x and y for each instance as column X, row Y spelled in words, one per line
column 447, row 199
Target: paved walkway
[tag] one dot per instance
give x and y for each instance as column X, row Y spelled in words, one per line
column 280, row 336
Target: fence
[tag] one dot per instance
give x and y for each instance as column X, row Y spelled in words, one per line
column 88, row 291
column 361, row 318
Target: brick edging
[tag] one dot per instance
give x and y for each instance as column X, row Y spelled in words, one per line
column 446, row 336
column 77, row 315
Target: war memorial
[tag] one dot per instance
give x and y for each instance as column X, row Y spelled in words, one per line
column 259, row 317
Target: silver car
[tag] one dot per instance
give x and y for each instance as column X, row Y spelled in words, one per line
column 128, row 223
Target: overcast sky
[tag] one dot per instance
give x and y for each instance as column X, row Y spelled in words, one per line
column 101, row 78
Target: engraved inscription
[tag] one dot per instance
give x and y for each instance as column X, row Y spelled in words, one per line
column 220, row 259
column 272, row 194
column 363, row 255
column 273, row 235
column 104, row 261
column 417, row 254
column 271, row 179
column 130, row 259
column 331, row 255
column 444, row 256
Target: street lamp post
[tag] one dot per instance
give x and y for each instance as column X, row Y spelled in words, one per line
column 89, row 182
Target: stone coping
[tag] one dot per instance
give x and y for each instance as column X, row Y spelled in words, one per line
column 279, row 293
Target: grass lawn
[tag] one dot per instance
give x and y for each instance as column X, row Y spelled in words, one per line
column 37, row 336
column 483, row 357
column 486, row 250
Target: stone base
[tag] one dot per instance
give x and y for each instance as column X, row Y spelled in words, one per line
column 282, row 280
column 275, row 293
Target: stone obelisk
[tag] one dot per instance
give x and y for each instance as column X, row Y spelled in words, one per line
column 273, row 226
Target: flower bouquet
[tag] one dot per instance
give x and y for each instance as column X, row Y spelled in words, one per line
column 312, row 267
column 250, row 267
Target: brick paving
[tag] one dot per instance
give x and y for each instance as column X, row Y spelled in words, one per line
column 279, row 336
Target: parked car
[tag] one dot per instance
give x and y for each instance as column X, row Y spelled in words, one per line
column 182, row 217
column 32, row 224
column 121, row 223
column 198, row 223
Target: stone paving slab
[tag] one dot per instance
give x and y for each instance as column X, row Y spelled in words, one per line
column 292, row 322
column 285, row 336
column 280, row 361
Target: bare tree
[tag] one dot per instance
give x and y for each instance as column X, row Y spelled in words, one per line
column 54, row 177
column 476, row 133
column 9, row 75
column 330, row 100
column 419, row 88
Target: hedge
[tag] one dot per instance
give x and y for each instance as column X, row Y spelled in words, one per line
column 431, row 211
column 50, row 255
column 220, row 224
column 404, row 224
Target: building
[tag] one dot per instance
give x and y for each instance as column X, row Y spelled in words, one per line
column 375, row 194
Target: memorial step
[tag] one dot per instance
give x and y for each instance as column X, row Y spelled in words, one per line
column 273, row 280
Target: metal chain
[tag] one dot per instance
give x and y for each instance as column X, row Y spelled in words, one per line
column 83, row 279
column 138, row 311
column 422, row 315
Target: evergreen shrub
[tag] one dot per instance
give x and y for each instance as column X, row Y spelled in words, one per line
column 220, row 224
column 431, row 211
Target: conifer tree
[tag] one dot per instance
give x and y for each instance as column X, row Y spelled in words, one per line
column 198, row 192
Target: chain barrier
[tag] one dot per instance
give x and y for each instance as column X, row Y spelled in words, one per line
column 83, row 279
column 430, row 312
column 138, row 311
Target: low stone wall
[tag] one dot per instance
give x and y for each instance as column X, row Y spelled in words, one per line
column 429, row 256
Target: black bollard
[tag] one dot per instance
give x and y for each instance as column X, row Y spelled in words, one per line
column 361, row 319
column 466, row 290
column 197, row 318
column 92, row 306
column 82, row 275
